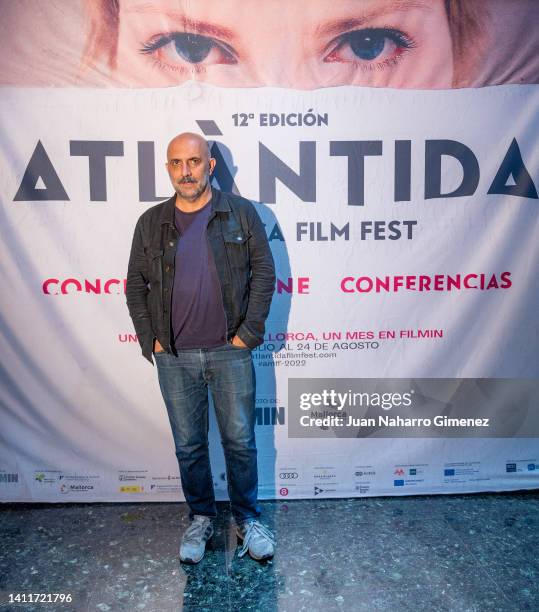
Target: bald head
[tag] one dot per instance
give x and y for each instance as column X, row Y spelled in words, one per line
column 191, row 140
column 189, row 165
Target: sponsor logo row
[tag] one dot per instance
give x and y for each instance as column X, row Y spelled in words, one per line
column 130, row 481
column 323, row 479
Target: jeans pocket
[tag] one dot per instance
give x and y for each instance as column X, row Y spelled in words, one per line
column 238, row 348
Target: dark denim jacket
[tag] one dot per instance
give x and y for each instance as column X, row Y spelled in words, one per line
column 244, row 265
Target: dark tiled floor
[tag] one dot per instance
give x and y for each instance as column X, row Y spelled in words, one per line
column 435, row 553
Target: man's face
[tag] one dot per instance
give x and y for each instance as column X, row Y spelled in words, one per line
column 189, row 167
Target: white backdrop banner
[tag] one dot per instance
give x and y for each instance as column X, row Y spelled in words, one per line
column 405, row 232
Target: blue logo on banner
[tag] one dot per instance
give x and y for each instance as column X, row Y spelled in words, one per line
column 413, row 471
column 398, row 483
column 510, row 467
column 450, row 472
column 531, row 467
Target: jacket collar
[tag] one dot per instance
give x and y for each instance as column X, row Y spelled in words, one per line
column 219, row 203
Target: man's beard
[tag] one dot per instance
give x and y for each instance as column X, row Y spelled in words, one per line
column 193, row 195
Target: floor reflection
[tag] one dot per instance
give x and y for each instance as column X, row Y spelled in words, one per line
column 474, row 552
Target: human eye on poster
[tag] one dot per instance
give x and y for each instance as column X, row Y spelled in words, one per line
column 389, row 147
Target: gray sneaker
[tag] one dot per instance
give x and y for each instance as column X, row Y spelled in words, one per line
column 258, row 540
column 194, row 539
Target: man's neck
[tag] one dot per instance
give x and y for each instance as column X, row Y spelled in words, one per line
column 193, row 205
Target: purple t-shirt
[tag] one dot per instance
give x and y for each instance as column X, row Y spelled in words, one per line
column 198, row 315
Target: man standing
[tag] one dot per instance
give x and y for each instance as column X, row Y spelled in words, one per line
column 199, row 287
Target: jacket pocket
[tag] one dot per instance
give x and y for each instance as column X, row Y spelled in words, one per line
column 236, row 237
column 154, row 260
column 237, row 249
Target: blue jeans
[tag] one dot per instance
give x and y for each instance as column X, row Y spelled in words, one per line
column 228, row 373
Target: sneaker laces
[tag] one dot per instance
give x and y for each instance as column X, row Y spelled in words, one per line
column 254, row 529
column 195, row 531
